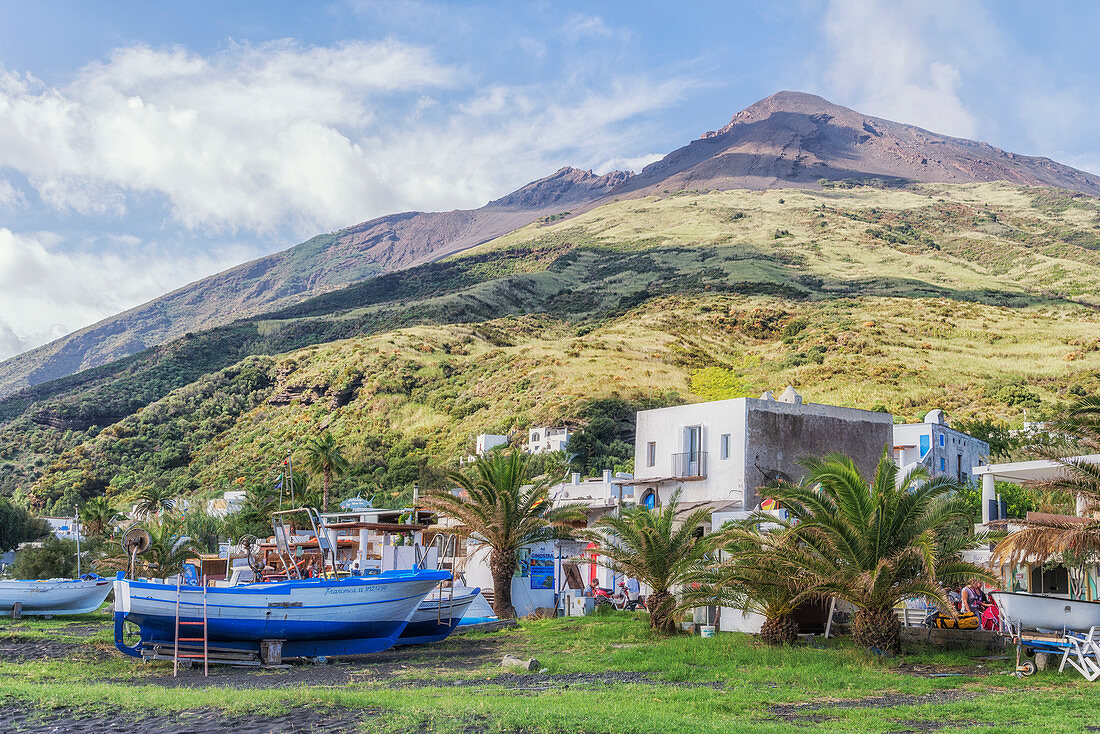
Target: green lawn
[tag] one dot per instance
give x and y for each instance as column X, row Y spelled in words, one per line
column 605, row 674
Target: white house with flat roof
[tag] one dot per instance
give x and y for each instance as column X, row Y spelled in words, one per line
column 941, row 449
column 545, row 439
column 486, row 442
column 721, row 452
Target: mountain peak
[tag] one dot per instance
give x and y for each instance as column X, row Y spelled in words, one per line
column 798, row 139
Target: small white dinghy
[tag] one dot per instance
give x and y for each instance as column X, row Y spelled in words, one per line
column 54, row 596
column 1032, row 611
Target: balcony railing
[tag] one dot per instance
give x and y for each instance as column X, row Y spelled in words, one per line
column 690, row 465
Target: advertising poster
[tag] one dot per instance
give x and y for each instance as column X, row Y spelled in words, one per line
column 542, row 571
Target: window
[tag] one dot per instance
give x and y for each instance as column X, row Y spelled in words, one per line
column 649, row 500
column 651, row 453
column 942, row 437
column 924, row 445
column 943, row 464
column 725, row 447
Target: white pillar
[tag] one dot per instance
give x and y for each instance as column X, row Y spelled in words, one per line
column 989, row 494
column 1081, row 505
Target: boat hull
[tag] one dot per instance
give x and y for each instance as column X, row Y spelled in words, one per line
column 1047, row 612
column 313, row 616
column 437, row 617
column 54, row 596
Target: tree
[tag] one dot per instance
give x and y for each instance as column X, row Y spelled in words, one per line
column 1078, row 539
column 56, row 559
column 1002, row 441
column 18, row 525
column 204, row 530
column 97, row 516
column 647, row 545
column 749, row 581
column 500, row 504
column 153, row 499
column 872, row 543
column 324, row 459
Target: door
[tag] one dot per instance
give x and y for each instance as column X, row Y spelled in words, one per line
column 694, row 449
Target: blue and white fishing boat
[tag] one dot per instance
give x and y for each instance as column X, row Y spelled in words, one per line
column 437, row 616
column 308, row 617
column 314, row 617
column 54, row 596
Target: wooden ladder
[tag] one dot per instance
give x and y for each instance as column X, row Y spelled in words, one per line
column 176, row 654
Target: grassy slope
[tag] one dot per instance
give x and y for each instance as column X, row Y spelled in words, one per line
column 919, row 298
column 723, row 684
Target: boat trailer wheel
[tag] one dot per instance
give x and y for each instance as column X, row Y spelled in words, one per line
column 1026, row 668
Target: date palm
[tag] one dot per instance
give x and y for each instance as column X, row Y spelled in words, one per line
column 169, row 549
column 153, row 500
column 872, row 543
column 1078, row 538
column 501, row 505
column 650, row 546
column 97, row 515
column 324, row 458
column 742, row 578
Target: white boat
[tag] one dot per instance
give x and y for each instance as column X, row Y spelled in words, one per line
column 347, row 616
column 438, row 615
column 54, row 596
column 1033, row 611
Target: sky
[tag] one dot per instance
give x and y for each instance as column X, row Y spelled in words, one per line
column 147, row 145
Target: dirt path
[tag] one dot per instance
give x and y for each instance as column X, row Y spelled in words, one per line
column 23, row 720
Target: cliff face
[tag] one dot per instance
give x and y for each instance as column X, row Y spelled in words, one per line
column 796, row 139
column 321, row 264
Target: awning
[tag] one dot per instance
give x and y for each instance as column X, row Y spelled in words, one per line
column 1041, row 470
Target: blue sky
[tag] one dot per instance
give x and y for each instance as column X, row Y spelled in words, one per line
column 146, row 145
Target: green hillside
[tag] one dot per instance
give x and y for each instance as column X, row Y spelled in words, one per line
column 980, row 299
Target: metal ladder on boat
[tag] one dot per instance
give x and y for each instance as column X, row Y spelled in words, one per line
column 444, row 542
column 190, row 624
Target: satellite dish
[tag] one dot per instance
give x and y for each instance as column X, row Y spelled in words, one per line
column 136, row 541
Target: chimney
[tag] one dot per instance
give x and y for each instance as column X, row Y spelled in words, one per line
column 790, row 396
column 607, row 476
column 768, row 396
column 576, row 477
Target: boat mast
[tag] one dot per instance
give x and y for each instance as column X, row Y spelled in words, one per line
column 76, row 523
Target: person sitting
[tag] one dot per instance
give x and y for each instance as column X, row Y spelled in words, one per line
column 590, row 590
column 972, row 602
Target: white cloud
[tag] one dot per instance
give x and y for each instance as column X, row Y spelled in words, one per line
column 890, row 59
column 10, row 197
column 47, row 292
column 263, row 138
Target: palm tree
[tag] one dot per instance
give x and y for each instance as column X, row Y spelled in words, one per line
column 97, row 515
column 324, row 459
column 647, row 545
column 1077, row 539
column 153, row 500
column 751, row 582
column 872, row 544
column 500, row 504
column 168, row 550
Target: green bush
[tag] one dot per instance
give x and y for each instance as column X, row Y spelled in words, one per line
column 56, row 558
column 17, row 525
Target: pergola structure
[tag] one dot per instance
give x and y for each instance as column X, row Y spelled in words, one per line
column 1023, row 472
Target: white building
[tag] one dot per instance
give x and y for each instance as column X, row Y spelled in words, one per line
column 544, row 439
column 63, row 527
column 229, row 503
column 486, row 442
column 942, row 450
column 721, row 452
